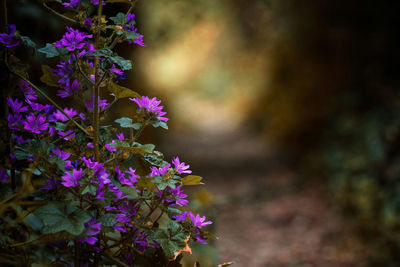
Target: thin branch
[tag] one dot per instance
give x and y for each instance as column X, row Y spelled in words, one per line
column 59, row 14
column 97, row 86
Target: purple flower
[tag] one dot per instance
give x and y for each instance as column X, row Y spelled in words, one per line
column 90, row 144
column 198, row 221
column 38, row 107
column 27, row 90
column 116, row 70
column 116, row 191
column 58, row 115
column 82, row 116
column 201, row 239
column 72, row 3
column 67, row 135
column 16, row 106
column 69, row 89
column 152, row 105
column 88, row 22
column 96, row 2
column 120, row 136
column 180, row 167
column 92, row 229
column 65, row 71
column 110, row 147
column 133, row 178
column 179, row 196
column 14, row 120
column 20, row 139
column 61, row 154
column 159, row 171
column 36, row 124
column 3, row 176
column 71, row 179
column 9, row 40
column 137, row 40
column 51, row 184
column 181, row 217
column 90, row 104
column 130, row 17
column 73, row 39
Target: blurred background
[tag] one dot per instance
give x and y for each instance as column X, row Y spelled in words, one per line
column 289, row 109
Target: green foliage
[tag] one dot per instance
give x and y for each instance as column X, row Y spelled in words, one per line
column 57, row 217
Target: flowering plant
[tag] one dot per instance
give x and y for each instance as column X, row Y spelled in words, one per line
column 74, row 190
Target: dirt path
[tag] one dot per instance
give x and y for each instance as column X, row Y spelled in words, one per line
column 266, row 216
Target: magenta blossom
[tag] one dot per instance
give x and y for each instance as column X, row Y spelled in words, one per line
column 179, row 196
column 180, row 167
column 92, row 229
column 9, row 40
column 27, row 91
column 71, row 179
column 14, row 120
column 90, row 104
column 16, row 106
column 58, row 115
column 198, row 221
column 159, row 171
column 71, row 3
column 152, row 105
column 61, row 154
column 36, row 124
column 116, row 70
column 120, row 136
column 73, row 39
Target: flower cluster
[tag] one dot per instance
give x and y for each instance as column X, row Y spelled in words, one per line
column 94, row 187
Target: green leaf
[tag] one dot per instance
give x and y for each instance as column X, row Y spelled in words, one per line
column 90, row 188
column 173, row 211
column 191, row 180
column 49, row 50
column 137, row 125
column 119, row 19
column 58, row 217
column 124, row 64
column 48, row 76
column 154, row 160
column 147, row 147
column 132, row 35
column 159, row 123
column 105, row 52
column 108, row 219
column 125, row 122
column 129, row 191
column 120, row 91
column 28, row 42
column 133, row 150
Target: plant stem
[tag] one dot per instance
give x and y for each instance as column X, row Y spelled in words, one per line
column 97, row 86
column 58, row 14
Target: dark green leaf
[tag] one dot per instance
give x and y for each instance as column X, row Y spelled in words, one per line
column 58, row 217
column 119, row 19
column 129, row 191
column 125, row 122
column 49, row 50
column 159, row 123
column 124, row 64
column 108, row 219
column 132, row 35
column 28, row 42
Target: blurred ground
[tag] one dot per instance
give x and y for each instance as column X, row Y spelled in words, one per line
column 265, row 215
